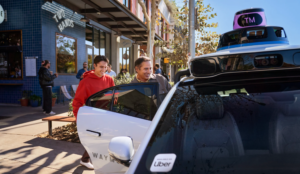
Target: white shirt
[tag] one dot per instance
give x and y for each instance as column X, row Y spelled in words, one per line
column 111, row 73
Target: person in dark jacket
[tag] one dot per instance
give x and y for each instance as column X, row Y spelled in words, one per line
column 46, row 82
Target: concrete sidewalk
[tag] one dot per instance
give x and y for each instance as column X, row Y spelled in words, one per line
column 22, row 152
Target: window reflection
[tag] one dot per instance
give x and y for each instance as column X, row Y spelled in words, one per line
column 137, row 102
column 97, row 43
column 66, row 54
column 107, row 46
column 102, row 100
column 11, row 54
column 102, row 43
column 126, row 58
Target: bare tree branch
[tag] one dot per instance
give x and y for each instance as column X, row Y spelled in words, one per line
column 142, row 4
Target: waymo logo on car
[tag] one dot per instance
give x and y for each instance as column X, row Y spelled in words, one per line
column 163, row 162
column 103, row 157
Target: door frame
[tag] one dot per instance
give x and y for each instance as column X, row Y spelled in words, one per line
column 87, row 103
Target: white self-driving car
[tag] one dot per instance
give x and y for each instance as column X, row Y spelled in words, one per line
column 237, row 112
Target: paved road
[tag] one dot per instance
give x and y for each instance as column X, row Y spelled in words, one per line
column 22, row 152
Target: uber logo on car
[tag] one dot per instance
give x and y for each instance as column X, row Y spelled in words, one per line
column 163, row 162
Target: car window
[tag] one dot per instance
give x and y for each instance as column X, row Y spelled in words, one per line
column 279, row 32
column 256, row 33
column 101, row 100
column 137, row 101
column 242, row 127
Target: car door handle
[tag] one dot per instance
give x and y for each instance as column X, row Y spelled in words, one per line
column 94, row 133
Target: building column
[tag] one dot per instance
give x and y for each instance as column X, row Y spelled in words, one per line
column 136, row 55
column 173, row 69
column 115, row 62
column 157, row 59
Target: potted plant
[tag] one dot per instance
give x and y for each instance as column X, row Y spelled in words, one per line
column 54, row 97
column 25, row 97
column 35, row 100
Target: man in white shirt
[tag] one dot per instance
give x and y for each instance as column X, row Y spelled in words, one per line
column 110, row 72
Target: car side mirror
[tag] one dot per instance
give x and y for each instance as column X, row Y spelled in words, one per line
column 121, row 149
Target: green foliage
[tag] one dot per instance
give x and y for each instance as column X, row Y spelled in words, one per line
column 65, row 54
column 70, row 111
column 171, row 5
column 26, row 94
column 123, row 80
column 206, row 42
column 171, row 83
column 35, row 98
column 54, row 95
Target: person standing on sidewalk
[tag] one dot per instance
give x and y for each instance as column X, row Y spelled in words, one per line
column 110, row 72
column 46, row 81
column 81, row 71
column 157, row 69
column 93, row 81
column 144, row 74
column 42, row 65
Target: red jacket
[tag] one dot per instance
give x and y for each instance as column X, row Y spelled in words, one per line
column 90, row 85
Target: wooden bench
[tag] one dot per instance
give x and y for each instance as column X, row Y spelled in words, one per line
column 57, row 118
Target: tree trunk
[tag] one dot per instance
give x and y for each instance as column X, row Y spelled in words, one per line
column 153, row 20
column 142, row 4
column 149, row 45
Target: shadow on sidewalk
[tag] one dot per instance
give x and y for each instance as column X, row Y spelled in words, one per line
column 57, row 155
column 14, row 115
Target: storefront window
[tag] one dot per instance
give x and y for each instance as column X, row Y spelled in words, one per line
column 89, row 35
column 127, row 3
column 96, row 42
column 125, row 57
column 102, row 43
column 89, row 52
column 66, row 54
column 107, row 45
column 11, row 55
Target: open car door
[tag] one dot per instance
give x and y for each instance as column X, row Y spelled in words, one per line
column 124, row 110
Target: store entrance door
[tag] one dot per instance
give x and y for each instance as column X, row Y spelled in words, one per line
column 90, row 56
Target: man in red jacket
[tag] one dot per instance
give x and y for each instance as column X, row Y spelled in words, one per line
column 92, row 82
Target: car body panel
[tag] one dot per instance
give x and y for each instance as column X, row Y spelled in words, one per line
column 148, row 135
column 109, row 124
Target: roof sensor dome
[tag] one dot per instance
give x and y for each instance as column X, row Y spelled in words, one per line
column 249, row 18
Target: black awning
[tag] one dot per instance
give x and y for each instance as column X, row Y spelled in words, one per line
column 112, row 14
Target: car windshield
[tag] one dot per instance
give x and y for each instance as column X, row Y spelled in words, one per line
column 243, row 127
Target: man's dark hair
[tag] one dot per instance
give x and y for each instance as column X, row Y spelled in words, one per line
column 46, row 62
column 140, row 60
column 109, row 65
column 157, row 65
column 99, row 59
